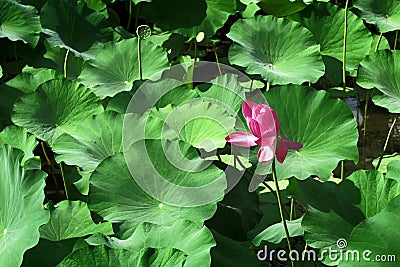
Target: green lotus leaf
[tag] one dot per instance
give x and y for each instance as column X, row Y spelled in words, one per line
column 116, row 196
column 19, row 22
column 210, row 15
column 70, row 219
column 393, row 170
column 280, row 50
column 385, row 14
column 327, row 221
column 383, row 167
column 323, row 124
column 1, row 72
column 54, row 108
column 379, row 235
column 200, row 123
column 99, row 137
column 229, row 252
column 99, row 256
column 21, row 206
column 95, row 139
column 326, row 23
column 191, row 248
column 281, row 8
column 227, row 91
column 63, row 61
column 376, row 191
column 381, row 70
column 276, row 233
column 30, row 79
column 115, row 67
column 77, row 35
column 18, row 137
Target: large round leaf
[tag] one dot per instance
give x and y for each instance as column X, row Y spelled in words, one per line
column 71, row 219
column 193, row 245
column 189, row 17
column 18, row 137
column 326, row 23
column 329, row 221
column 95, row 139
column 71, row 25
column 115, row 67
column 379, row 235
column 201, row 124
column 99, row 256
column 150, row 245
column 21, row 206
column 385, row 14
column 19, row 22
column 324, row 125
column 282, row 51
column 115, row 194
column 54, row 108
column 381, row 70
column 281, row 8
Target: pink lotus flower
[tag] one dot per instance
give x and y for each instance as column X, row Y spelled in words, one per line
column 264, row 126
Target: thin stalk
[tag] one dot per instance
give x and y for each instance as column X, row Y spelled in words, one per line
column 137, row 16
column 344, row 59
column 365, row 125
column 281, row 209
column 50, row 166
column 342, row 170
column 65, row 63
column 195, row 50
column 291, row 209
column 140, row 60
column 217, row 60
column 386, row 142
column 344, row 46
column 65, row 185
column 268, row 86
column 130, row 16
column 395, row 40
column 378, row 42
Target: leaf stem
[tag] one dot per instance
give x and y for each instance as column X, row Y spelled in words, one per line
column 130, row 16
column 281, row 209
column 217, row 60
column 291, row 209
column 344, row 46
column 378, row 42
column 386, row 142
column 365, row 125
column 65, row 185
column 65, row 63
column 46, row 156
column 395, row 40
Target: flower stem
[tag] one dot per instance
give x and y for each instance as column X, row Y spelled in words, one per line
column 281, row 209
column 386, row 142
